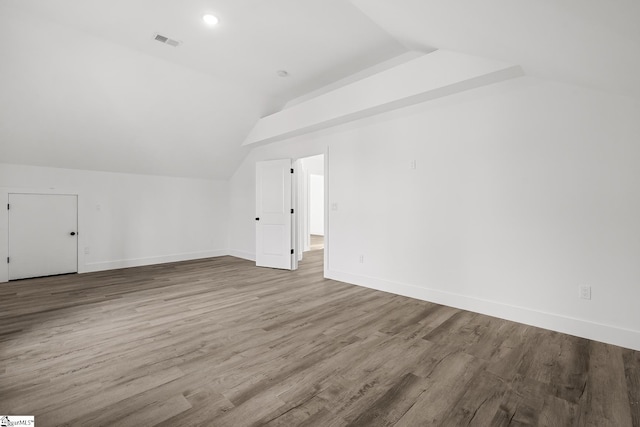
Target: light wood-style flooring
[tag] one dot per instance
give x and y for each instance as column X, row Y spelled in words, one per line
column 219, row 342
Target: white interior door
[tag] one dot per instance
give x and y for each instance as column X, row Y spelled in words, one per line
column 273, row 214
column 43, row 238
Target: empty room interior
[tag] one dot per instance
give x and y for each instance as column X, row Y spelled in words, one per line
column 320, row 213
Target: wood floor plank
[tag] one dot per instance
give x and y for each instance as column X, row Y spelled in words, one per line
column 480, row 402
column 206, row 407
column 63, row 410
column 219, row 342
column 309, row 412
column 631, row 361
column 152, row 414
column 393, row 404
column 615, row 408
column 446, row 384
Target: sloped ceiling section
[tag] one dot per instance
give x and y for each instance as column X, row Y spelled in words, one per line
column 75, row 101
column 591, row 43
column 316, row 41
column 83, row 84
column 579, row 42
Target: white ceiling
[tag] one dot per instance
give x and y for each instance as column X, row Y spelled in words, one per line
column 593, row 43
column 85, row 86
column 316, row 41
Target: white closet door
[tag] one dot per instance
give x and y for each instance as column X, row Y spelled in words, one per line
column 43, row 235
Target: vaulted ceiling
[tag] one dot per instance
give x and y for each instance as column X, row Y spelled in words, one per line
column 592, row 43
column 84, row 85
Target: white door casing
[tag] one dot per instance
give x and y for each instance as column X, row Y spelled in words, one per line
column 273, row 214
column 301, row 240
column 43, row 238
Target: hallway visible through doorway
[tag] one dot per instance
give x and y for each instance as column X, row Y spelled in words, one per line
column 317, row 242
column 310, row 203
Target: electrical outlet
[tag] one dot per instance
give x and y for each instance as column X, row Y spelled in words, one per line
column 334, row 206
column 585, row 292
column 361, row 259
column 86, row 250
column 413, row 164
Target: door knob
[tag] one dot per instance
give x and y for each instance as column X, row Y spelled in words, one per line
column 73, row 233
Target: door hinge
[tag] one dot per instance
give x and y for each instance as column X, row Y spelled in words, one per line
column 8, row 206
column 291, row 170
column 291, row 210
column 7, row 260
column 291, row 251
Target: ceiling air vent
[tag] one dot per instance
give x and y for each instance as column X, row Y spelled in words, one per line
column 166, row 40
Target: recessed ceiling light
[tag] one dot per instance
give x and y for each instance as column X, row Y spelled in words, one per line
column 210, row 20
column 282, row 73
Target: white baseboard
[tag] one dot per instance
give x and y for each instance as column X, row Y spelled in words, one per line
column 242, row 254
column 578, row 327
column 138, row 262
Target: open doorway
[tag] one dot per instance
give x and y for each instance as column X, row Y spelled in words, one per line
column 316, row 208
column 310, row 204
column 290, row 211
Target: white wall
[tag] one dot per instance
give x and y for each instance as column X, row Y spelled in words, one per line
column 522, row 191
column 316, row 205
column 128, row 220
column 313, row 168
column 314, row 165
